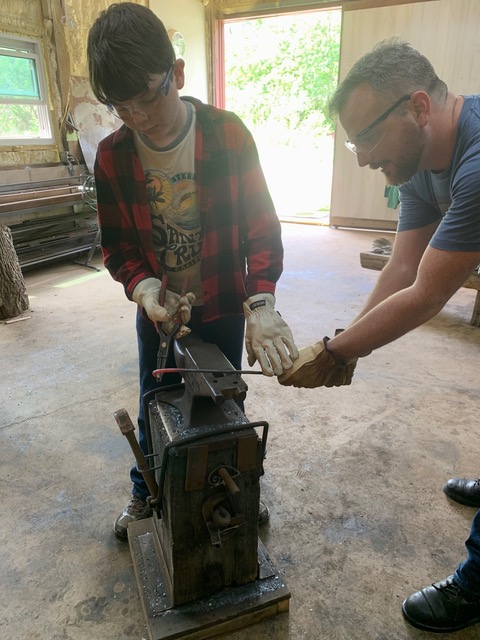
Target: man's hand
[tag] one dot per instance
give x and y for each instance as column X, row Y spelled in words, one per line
column 316, row 366
column 176, row 310
column 268, row 338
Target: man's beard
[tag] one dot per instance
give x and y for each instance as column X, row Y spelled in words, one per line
column 408, row 163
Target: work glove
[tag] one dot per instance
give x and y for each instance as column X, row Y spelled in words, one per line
column 317, row 366
column 176, row 310
column 268, row 338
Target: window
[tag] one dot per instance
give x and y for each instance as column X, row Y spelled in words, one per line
column 24, row 115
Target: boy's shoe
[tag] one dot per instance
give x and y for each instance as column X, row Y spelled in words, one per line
column 263, row 513
column 136, row 509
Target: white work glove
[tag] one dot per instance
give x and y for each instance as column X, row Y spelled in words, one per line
column 177, row 309
column 268, row 338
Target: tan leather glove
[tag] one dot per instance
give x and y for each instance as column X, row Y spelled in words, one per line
column 268, row 338
column 317, row 367
column 176, row 310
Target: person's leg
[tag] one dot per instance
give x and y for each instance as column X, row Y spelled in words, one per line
column 453, row 603
column 467, row 574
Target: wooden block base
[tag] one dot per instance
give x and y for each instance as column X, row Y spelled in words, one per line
column 223, row 612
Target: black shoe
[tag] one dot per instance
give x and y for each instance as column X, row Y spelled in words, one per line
column 441, row 607
column 463, row 491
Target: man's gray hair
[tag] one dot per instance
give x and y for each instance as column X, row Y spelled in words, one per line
column 392, row 68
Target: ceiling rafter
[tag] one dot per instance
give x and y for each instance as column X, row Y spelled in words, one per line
column 225, row 9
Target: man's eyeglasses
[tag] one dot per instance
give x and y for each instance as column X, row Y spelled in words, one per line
column 369, row 144
column 144, row 105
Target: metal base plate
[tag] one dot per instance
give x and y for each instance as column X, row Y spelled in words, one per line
column 222, row 612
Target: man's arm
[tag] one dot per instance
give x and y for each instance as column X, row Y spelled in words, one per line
column 331, row 362
column 440, row 275
column 401, row 269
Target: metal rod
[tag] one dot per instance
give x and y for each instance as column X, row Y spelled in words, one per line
column 242, row 372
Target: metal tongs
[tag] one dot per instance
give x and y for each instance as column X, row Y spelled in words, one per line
column 166, row 337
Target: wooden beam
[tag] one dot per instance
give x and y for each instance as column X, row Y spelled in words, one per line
column 66, row 199
column 363, row 223
column 355, row 5
column 17, row 196
column 225, row 9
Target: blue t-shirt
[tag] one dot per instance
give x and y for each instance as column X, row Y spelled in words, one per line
column 452, row 196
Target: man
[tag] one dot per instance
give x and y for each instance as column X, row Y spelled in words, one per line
column 400, row 118
column 180, row 192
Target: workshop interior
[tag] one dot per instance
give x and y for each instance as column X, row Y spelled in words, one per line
column 352, row 476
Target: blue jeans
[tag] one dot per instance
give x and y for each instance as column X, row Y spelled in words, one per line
column 226, row 333
column 467, row 574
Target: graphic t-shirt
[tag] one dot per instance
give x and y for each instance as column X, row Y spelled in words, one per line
column 171, row 192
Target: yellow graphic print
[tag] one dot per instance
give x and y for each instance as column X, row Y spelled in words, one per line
column 175, row 218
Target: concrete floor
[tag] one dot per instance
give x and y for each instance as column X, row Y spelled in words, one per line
column 353, row 475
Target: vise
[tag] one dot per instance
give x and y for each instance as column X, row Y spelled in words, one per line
column 199, row 555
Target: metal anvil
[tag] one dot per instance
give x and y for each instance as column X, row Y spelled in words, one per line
column 205, row 393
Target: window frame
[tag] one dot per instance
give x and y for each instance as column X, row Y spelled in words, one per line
column 31, row 49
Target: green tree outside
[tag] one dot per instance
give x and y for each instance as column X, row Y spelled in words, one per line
column 284, row 71
column 279, row 75
column 18, row 81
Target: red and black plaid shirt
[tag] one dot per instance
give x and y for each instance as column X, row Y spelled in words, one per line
column 242, row 252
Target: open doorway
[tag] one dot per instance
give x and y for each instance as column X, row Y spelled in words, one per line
column 279, row 74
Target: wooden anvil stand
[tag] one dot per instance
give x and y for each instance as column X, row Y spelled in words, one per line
column 200, row 567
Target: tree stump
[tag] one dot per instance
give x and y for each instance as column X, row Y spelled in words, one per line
column 13, row 293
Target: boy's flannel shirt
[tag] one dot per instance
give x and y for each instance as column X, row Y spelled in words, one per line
column 242, row 252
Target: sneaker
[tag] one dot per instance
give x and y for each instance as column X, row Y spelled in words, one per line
column 263, row 514
column 136, row 509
